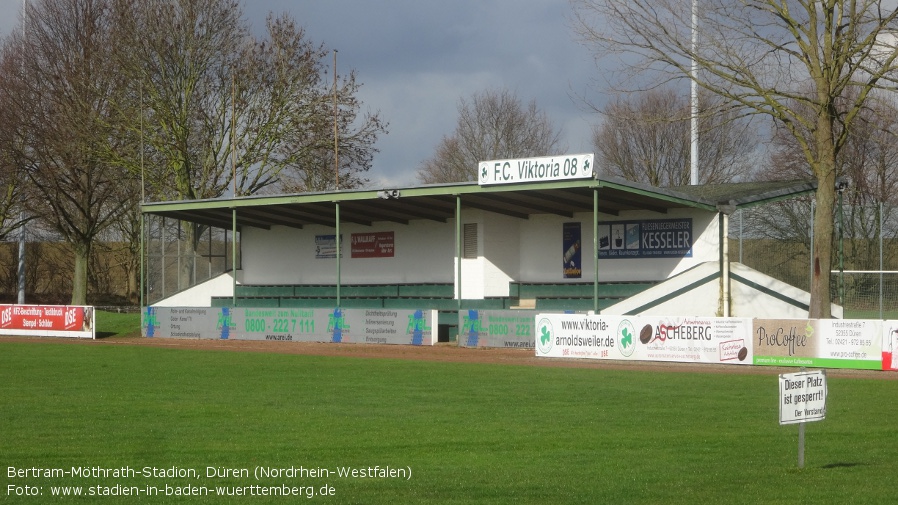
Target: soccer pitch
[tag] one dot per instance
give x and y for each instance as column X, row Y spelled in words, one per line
column 137, row 424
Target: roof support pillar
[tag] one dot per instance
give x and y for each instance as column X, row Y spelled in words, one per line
column 595, row 249
column 458, row 249
column 233, row 251
column 723, row 220
column 143, row 257
column 339, row 250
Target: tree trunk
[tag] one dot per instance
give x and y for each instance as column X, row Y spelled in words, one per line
column 133, row 285
column 821, row 297
column 823, row 232
column 187, row 273
column 79, row 281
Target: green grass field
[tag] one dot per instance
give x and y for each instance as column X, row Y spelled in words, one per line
column 468, row 433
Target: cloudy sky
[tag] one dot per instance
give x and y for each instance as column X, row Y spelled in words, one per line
column 416, row 59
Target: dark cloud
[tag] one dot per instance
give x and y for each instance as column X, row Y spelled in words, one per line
column 417, row 59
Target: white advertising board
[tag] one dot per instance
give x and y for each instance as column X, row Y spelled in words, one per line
column 543, row 169
column 371, row 326
column 830, row 343
column 802, row 397
column 645, row 338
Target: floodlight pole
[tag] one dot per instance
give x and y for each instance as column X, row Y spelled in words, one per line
column 693, row 152
column 336, row 132
column 22, row 237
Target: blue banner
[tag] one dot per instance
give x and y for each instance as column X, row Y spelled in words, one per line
column 656, row 238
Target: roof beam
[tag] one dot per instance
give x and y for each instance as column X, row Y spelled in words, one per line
column 380, row 214
column 225, row 221
column 477, row 203
column 530, row 204
column 283, row 219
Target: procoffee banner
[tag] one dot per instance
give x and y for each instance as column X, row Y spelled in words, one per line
column 828, row 343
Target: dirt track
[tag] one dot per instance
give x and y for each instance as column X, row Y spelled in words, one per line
column 439, row 353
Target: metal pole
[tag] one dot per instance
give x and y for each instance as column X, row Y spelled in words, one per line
column 801, row 438
column 22, row 231
column 21, row 272
column 725, row 264
column 694, row 101
column 336, row 136
column 337, row 242
column 881, row 265
column 178, row 249
column 741, row 233
column 143, row 227
column 234, row 252
column 595, row 249
column 143, row 199
column 162, row 247
column 234, row 190
column 458, row 240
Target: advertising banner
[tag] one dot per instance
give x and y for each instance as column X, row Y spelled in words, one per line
column 372, row 245
column 572, row 262
column 373, row 326
column 645, row 338
column 656, row 238
column 830, row 343
column 496, row 328
column 890, row 345
column 326, row 246
column 47, row 321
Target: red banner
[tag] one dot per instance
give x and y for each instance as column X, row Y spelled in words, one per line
column 372, row 245
column 42, row 317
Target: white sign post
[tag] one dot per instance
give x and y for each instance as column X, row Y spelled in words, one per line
column 544, row 169
column 802, row 399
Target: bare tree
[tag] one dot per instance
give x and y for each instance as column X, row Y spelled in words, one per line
column 646, row 138
column 224, row 112
column 11, row 175
column 61, row 100
column 868, row 162
column 309, row 148
column 762, row 55
column 493, row 124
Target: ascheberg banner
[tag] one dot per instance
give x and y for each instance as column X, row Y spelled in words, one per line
column 645, row 338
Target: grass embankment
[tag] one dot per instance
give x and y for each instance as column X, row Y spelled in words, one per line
column 117, row 324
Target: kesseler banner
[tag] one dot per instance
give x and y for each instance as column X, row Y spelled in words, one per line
column 655, row 238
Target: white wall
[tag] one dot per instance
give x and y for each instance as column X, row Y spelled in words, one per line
column 502, row 252
column 424, row 252
column 509, row 249
column 541, row 239
column 201, row 294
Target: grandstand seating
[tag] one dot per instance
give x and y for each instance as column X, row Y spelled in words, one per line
column 437, row 296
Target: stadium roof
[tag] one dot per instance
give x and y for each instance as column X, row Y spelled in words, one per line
column 438, row 202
